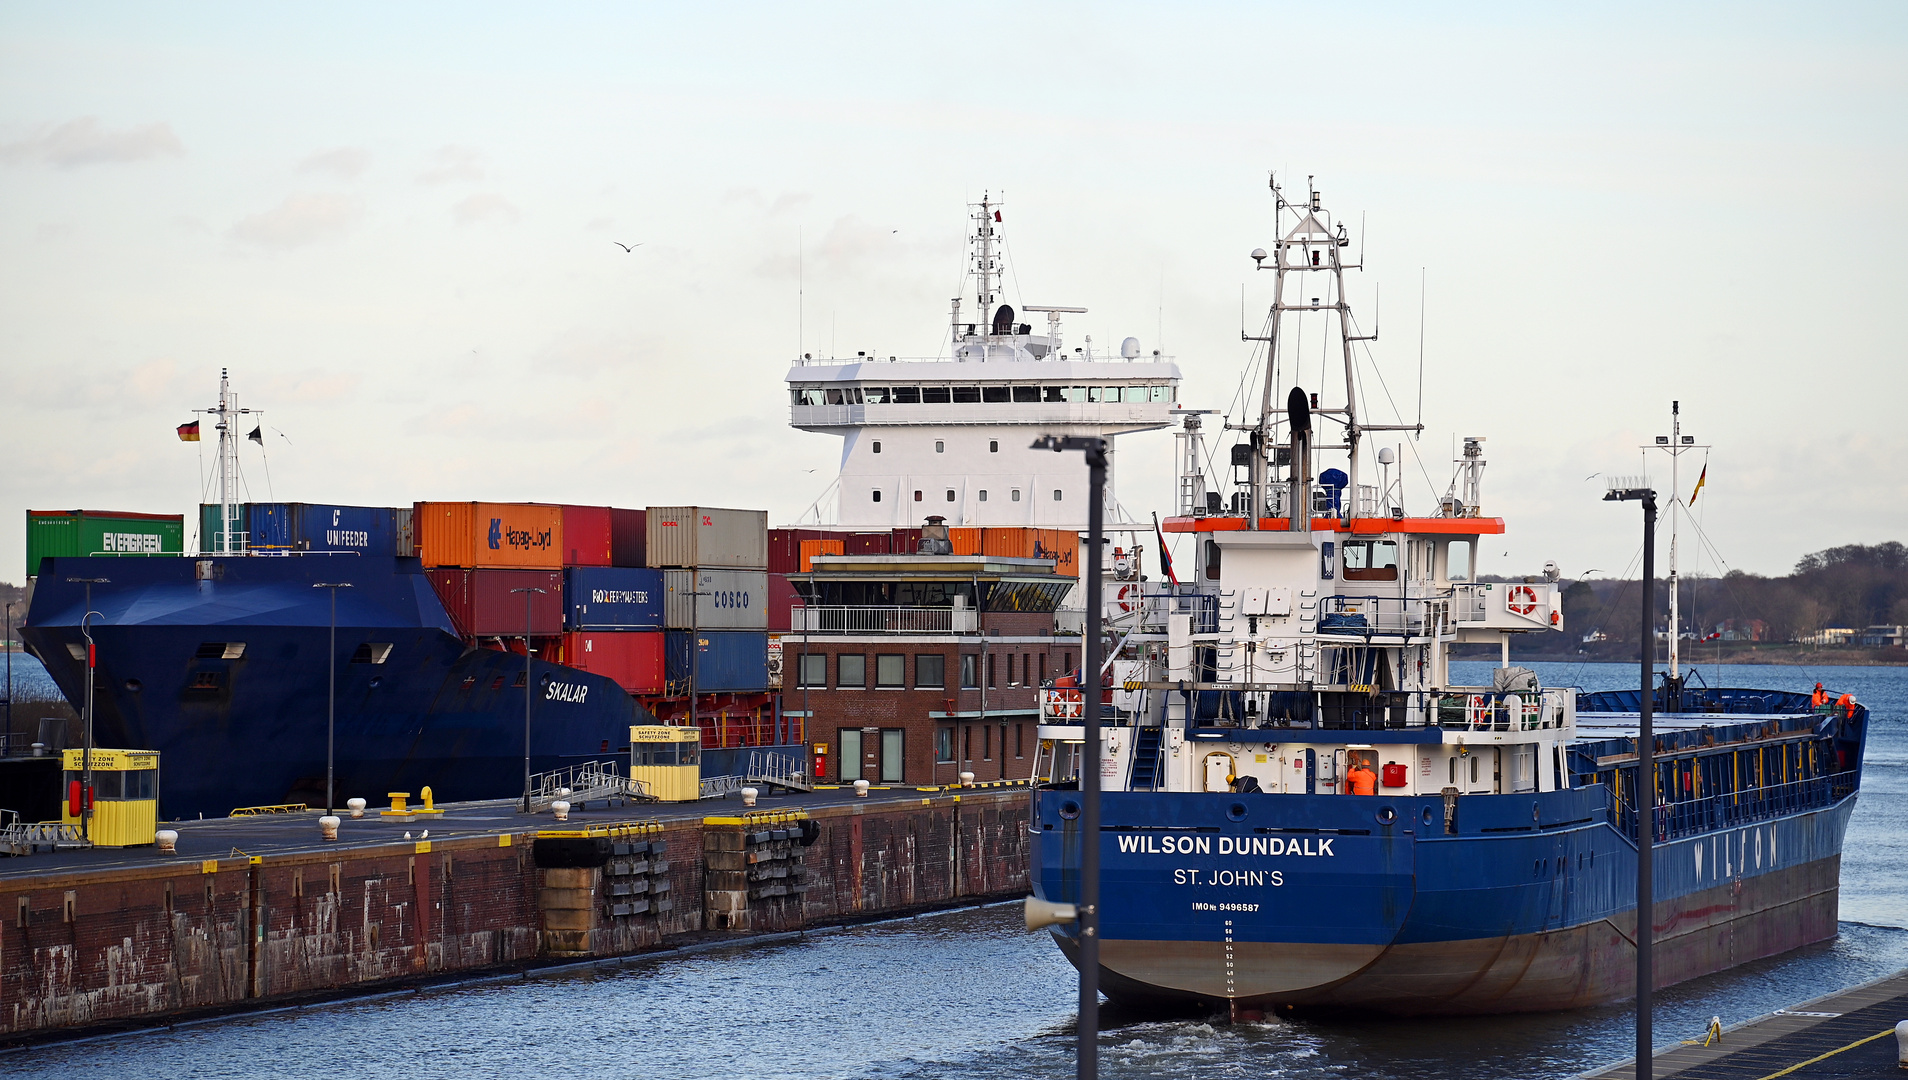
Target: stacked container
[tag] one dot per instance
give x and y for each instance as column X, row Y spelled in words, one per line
column 486, row 603
column 715, row 564
column 100, row 532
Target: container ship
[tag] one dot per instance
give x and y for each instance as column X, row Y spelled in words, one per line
column 1303, row 809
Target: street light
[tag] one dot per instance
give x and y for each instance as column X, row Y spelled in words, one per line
column 526, row 690
column 331, row 693
column 1637, row 490
column 1089, row 911
column 9, row 646
column 86, row 753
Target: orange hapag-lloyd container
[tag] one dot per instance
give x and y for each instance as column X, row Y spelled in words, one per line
column 1060, row 545
column 489, row 535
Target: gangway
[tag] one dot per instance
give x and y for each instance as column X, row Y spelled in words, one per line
column 24, row 838
column 781, row 770
column 579, row 785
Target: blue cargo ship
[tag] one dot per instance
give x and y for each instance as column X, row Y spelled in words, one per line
column 1302, row 809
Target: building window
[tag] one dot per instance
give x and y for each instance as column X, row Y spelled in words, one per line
column 891, row 671
column 950, row 494
column 877, row 498
column 1043, row 667
column 987, row 742
column 848, row 765
column 944, row 745
column 851, row 671
column 1016, row 495
column 993, row 446
column 1011, row 681
column 993, row 670
column 970, row 671
column 917, row 498
column 940, row 447
column 1056, row 494
column 1020, row 731
column 876, row 448
column 983, row 495
column 1066, row 663
column 930, row 671
column 814, row 670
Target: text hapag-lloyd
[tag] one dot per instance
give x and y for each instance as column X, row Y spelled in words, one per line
column 523, row 539
column 1228, row 845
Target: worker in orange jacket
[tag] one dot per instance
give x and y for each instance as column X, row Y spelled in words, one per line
column 1361, row 780
column 1846, row 703
column 1818, row 699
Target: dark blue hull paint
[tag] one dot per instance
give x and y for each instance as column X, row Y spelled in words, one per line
column 251, row 730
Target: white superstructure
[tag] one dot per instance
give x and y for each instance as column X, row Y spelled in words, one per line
column 950, row 436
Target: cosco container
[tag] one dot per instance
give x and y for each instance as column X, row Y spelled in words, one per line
column 100, row 532
column 705, row 536
column 629, row 537
column 725, row 661
column 487, row 603
column 586, row 535
column 613, row 598
column 489, row 535
column 633, row 659
column 716, row 599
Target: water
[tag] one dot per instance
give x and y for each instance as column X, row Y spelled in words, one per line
column 971, row 993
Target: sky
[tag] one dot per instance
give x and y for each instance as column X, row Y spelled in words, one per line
column 398, row 226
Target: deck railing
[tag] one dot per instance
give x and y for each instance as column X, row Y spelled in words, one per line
column 1690, row 817
column 884, row 620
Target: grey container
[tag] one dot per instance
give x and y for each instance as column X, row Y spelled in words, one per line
column 405, row 539
column 717, row 599
column 707, row 537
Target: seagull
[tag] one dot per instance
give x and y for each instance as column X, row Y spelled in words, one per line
column 625, row 247
column 407, row 834
column 425, row 835
column 1593, row 476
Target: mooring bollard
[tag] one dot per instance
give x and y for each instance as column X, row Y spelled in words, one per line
column 967, row 779
column 167, row 840
column 356, row 806
column 1901, row 1044
column 748, row 796
column 328, row 827
column 561, row 809
column 861, row 789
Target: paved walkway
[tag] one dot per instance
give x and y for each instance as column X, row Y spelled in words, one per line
column 1850, row 1033
column 279, row 834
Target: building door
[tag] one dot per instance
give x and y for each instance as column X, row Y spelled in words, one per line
column 849, row 760
column 892, row 768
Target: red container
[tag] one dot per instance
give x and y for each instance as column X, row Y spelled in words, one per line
column 781, row 597
column 634, row 659
column 587, row 532
column 629, row 537
column 868, row 543
column 1396, row 775
column 906, row 541
column 482, row 604
column 785, row 548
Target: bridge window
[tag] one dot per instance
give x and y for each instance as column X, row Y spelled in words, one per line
column 810, row 395
column 875, row 447
column 1055, row 394
column 1457, row 561
column 934, row 395
column 1162, row 393
column 1016, row 495
column 1370, row 560
column 1027, row 393
column 906, row 395
column 875, row 395
column 995, row 394
column 993, row 446
column 1076, row 393
column 1099, row 393
column 967, row 395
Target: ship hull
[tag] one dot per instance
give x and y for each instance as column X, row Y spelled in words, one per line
column 251, row 729
column 1416, row 922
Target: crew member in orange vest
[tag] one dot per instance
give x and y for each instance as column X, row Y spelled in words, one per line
column 1819, row 698
column 1361, row 780
column 1846, row 703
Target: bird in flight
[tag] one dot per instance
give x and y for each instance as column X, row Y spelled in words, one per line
column 625, row 247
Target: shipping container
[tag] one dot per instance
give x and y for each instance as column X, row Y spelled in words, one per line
column 489, row 535
column 587, row 534
column 633, row 659
column 812, row 548
column 403, row 538
column 725, row 661
column 715, row 599
column 686, row 537
column 613, row 598
column 965, row 540
column 1060, row 545
column 212, row 529
column 100, row 532
column 868, row 543
column 906, row 541
column 782, row 599
column 785, row 548
column 485, row 603
column 629, row 537
column 367, row 530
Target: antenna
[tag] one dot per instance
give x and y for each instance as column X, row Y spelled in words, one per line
column 1361, row 258
column 801, row 293
column 1421, row 276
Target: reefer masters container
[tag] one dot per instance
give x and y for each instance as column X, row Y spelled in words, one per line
column 100, row 532
column 614, row 598
column 489, row 535
column 483, row 603
column 727, row 661
column 716, row 599
column 704, row 536
column 633, row 660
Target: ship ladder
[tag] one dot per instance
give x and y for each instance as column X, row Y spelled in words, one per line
column 1147, row 746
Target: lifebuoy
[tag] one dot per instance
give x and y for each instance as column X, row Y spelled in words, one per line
column 1522, row 599
column 1121, row 601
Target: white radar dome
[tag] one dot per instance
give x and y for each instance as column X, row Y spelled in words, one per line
column 1130, row 348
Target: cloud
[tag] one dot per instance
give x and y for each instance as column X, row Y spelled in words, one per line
column 84, row 142
column 453, row 163
column 598, row 224
column 484, row 207
column 344, row 162
column 300, row 220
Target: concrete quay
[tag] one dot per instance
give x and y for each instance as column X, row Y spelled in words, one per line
column 261, row 912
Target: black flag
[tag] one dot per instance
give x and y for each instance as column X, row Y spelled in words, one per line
column 257, row 436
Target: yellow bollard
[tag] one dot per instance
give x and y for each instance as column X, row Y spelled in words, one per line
column 399, row 811
column 428, row 801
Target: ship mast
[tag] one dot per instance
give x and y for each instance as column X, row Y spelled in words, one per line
column 1677, row 444
column 228, row 412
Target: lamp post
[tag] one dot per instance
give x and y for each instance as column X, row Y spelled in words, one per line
column 86, row 751
column 331, row 694
column 527, row 627
column 9, row 645
column 1638, row 491
column 1089, row 911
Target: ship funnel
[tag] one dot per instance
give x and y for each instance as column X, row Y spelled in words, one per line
column 1043, row 913
column 934, row 539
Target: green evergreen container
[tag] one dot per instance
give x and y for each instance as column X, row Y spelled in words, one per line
column 100, row 532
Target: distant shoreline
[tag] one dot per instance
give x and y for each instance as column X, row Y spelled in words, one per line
column 1756, row 659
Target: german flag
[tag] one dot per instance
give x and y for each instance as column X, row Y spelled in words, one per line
column 189, row 432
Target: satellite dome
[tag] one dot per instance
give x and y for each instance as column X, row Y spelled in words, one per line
column 1130, row 348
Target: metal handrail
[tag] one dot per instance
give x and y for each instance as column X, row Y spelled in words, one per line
column 884, row 620
column 1690, row 817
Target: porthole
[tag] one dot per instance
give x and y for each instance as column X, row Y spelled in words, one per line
column 875, row 447
column 876, row 494
column 917, row 496
column 1016, row 495
column 134, row 685
column 1236, row 812
column 993, row 446
column 983, row 495
column 950, row 494
column 1056, row 494
column 940, row 447
column 1386, row 815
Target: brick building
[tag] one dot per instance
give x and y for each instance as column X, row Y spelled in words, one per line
column 911, row 669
